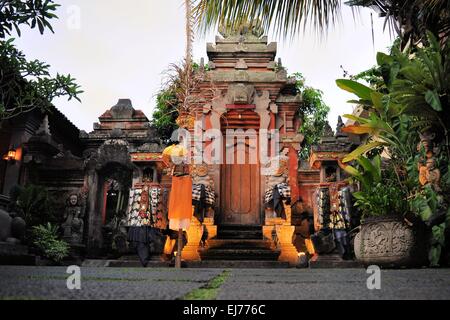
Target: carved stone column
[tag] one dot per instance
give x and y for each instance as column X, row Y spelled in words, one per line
column 284, row 232
column 194, row 235
column 288, row 251
column 211, row 229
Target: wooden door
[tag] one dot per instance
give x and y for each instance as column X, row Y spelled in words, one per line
column 240, row 192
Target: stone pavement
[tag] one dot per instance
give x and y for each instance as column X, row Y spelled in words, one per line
column 280, row 284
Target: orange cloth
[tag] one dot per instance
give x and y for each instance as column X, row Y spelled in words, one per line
column 180, row 202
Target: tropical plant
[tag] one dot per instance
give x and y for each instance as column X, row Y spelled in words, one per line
column 168, row 106
column 415, row 84
column 380, row 200
column 45, row 239
column 409, row 19
column 27, row 85
column 36, row 205
column 285, row 16
column 406, row 18
column 14, row 13
column 165, row 114
column 412, row 96
column 378, row 196
column 313, row 113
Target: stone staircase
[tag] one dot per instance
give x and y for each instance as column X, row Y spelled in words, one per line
column 240, row 247
column 235, row 246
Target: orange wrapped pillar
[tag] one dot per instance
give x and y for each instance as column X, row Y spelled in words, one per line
column 180, row 202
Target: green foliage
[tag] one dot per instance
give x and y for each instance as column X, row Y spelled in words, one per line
column 36, row 205
column 372, row 76
column 165, row 113
column 369, row 173
column 177, row 95
column 286, row 17
column 378, row 195
column 27, row 85
column 45, row 239
column 410, row 19
column 14, row 13
column 412, row 96
column 428, row 204
column 422, row 85
column 313, row 112
column 380, row 200
column 425, row 203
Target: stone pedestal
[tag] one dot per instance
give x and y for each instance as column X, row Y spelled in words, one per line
column 194, row 235
column 269, row 231
column 284, row 232
column 211, row 229
column 288, row 251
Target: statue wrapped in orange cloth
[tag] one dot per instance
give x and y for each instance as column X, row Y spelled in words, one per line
column 180, row 199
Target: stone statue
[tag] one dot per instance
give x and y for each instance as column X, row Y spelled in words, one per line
column 244, row 29
column 433, row 174
column 277, row 186
column 278, row 175
column 203, row 196
column 426, row 143
column 429, row 174
column 200, row 175
column 73, row 220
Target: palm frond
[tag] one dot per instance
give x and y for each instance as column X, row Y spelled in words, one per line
column 287, row 17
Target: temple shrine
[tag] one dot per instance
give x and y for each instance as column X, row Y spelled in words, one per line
column 116, row 177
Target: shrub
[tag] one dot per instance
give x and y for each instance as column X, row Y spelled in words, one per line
column 45, row 239
column 35, row 205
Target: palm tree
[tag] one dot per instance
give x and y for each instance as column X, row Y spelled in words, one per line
column 408, row 18
column 286, row 16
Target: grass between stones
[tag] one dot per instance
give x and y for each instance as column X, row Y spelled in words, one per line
column 208, row 291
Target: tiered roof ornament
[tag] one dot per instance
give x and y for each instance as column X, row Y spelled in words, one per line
column 331, row 147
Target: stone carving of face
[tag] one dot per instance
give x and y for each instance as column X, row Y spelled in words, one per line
column 73, row 199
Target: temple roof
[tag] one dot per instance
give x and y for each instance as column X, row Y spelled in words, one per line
column 120, row 121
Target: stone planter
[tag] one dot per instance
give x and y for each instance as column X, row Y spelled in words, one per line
column 390, row 242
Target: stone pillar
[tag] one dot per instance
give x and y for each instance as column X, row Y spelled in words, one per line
column 284, row 233
column 194, row 235
column 211, row 229
column 95, row 238
column 288, row 251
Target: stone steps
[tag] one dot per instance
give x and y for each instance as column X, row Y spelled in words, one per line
column 239, row 232
column 239, row 243
column 239, row 254
column 240, row 264
column 236, row 243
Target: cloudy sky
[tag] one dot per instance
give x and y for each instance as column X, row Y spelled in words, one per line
column 120, row 49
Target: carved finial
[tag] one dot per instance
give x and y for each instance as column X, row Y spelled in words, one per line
column 327, row 131
column 339, row 126
column 246, row 29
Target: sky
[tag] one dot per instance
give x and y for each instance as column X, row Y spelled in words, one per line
column 121, row 49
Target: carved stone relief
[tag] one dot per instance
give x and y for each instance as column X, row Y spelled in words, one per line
column 389, row 242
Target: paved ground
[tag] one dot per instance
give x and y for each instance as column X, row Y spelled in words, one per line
column 163, row 283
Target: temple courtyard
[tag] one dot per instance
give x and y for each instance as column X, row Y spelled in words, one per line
column 17, row 282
